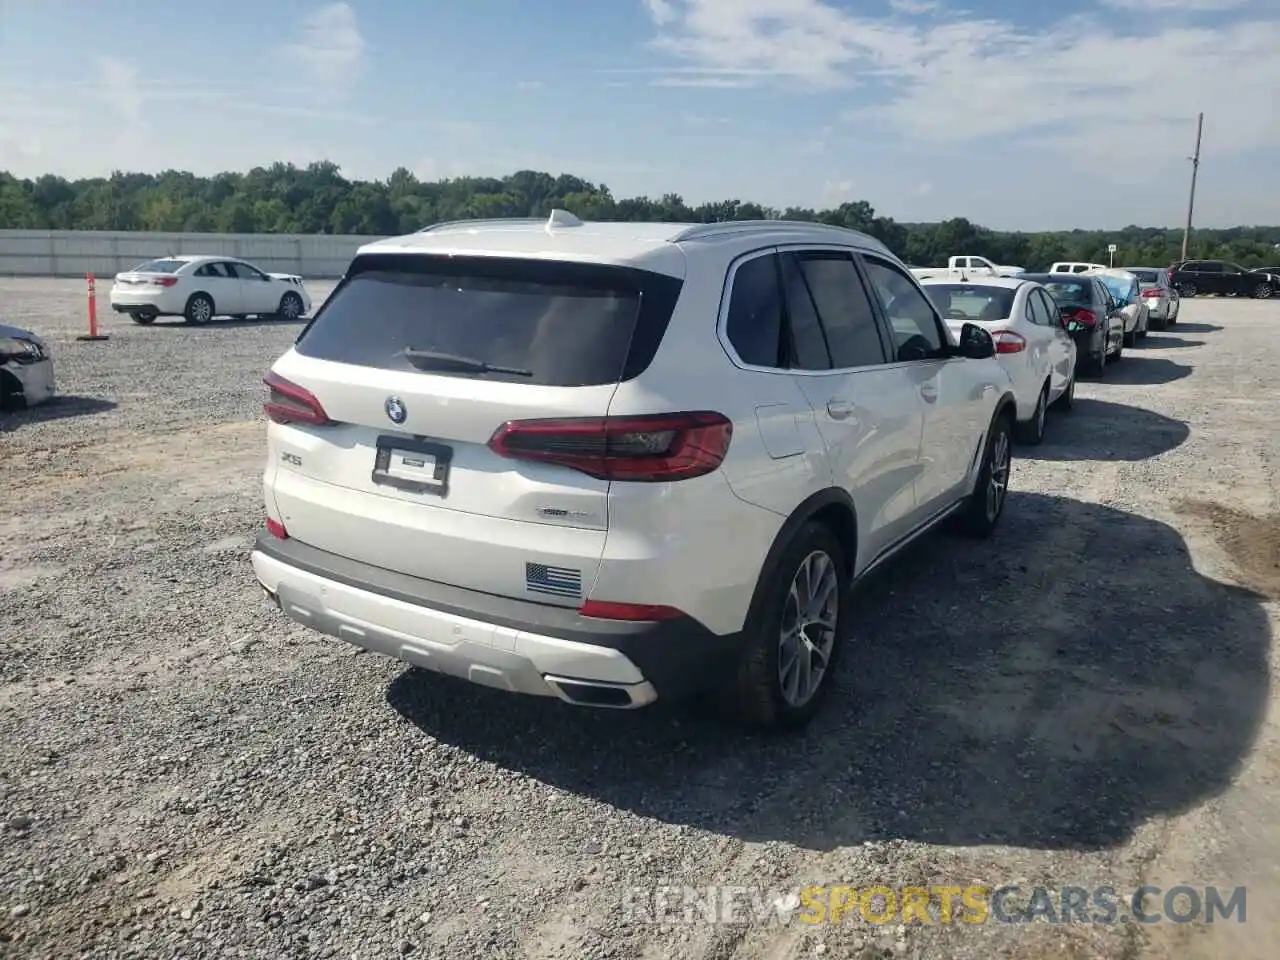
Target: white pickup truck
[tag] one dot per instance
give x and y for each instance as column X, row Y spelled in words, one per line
column 964, row 267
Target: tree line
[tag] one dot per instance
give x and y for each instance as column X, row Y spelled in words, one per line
column 284, row 198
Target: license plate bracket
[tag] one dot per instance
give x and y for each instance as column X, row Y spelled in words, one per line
column 412, row 464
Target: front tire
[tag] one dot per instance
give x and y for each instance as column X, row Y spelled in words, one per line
column 793, row 639
column 1262, row 291
column 290, row 307
column 1031, row 433
column 985, row 505
column 1187, row 289
column 199, row 308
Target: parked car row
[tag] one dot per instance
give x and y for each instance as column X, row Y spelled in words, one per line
column 620, row 462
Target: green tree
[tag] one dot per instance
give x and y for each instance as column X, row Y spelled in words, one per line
column 284, row 198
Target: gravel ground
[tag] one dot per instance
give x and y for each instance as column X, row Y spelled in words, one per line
column 184, row 773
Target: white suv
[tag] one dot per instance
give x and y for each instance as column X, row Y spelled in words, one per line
column 613, row 462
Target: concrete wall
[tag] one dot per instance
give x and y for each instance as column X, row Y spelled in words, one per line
column 73, row 253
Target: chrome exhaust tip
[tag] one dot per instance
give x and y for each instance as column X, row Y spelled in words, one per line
column 595, row 693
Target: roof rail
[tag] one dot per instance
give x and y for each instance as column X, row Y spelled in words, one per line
column 702, row 231
column 479, row 221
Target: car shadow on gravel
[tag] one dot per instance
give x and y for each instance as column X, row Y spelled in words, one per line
column 177, row 323
column 1164, row 342
column 1054, row 688
column 56, row 408
column 1102, row 430
column 1181, row 327
column 1136, row 370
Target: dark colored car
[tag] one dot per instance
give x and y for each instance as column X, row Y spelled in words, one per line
column 1193, row 277
column 1089, row 313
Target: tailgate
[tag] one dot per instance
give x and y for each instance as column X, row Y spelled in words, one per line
column 417, row 362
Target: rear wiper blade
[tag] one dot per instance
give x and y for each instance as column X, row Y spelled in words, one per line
column 432, row 360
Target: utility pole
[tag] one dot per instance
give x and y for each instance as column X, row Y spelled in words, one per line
column 1191, row 201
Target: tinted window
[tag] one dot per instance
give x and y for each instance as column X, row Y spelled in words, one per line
column 244, row 271
column 550, row 322
column 809, row 350
column 916, row 333
column 1146, row 276
column 755, row 312
column 1208, row 266
column 160, row 266
column 971, row 301
column 213, row 270
column 844, row 308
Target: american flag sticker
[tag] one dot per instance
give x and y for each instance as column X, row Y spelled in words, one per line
column 552, row 581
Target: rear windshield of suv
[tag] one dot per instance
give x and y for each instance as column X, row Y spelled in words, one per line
column 520, row 320
column 959, row 301
column 160, row 266
column 1146, row 276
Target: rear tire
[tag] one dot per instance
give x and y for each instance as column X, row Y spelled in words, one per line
column 1187, row 289
column 1262, row 291
column 199, row 308
column 985, row 505
column 145, row 319
column 1031, row 433
column 782, row 622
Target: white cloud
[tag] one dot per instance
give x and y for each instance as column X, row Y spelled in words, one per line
column 1116, row 100
column 661, row 11
column 120, row 90
column 916, row 6
column 1186, row 6
column 330, row 49
column 839, row 191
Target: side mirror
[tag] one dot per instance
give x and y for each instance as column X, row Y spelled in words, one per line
column 976, row 343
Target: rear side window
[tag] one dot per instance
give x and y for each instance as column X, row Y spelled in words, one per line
column 754, row 323
column 550, row 323
column 1146, row 276
column 160, row 266
column 843, row 306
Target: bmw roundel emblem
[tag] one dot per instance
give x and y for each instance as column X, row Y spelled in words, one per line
column 396, row 410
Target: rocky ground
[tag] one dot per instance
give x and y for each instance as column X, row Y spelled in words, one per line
column 1084, row 700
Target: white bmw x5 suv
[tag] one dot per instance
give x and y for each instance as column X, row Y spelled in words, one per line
column 613, row 462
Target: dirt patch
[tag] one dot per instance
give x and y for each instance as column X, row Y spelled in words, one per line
column 1252, row 542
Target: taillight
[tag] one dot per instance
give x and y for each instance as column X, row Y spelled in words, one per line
column 1153, row 292
column 164, row 281
column 276, row 529
column 1087, row 317
column 672, row 446
column 1009, row 342
column 289, row 403
column 609, row 610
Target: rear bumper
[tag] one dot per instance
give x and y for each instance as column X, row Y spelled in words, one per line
column 514, row 645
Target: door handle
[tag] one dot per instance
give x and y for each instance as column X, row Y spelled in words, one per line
column 840, row 409
column 929, row 392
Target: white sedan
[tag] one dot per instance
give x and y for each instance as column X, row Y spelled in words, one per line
column 199, row 288
column 26, row 369
column 1032, row 342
